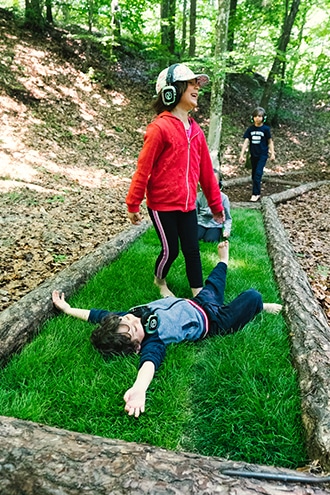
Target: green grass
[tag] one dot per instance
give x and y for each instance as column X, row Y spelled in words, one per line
column 235, row 397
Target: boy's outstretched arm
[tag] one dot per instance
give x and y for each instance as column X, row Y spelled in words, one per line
column 61, row 304
column 135, row 397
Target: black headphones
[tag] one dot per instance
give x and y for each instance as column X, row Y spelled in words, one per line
column 169, row 92
column 257, row 111
column 149, row 320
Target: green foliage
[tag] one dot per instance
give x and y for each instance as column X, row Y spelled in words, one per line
column 235, row 396
column 256, row 28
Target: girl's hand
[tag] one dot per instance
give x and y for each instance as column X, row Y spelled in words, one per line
column 219, row 217
column 135, row 218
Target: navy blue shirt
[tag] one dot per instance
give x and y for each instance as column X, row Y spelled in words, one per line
column 258, row 137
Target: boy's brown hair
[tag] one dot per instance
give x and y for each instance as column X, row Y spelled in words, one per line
column 106, row 339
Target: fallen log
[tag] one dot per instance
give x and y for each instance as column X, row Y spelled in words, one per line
column 297, row 191
column 310, row 336
column 240, row 181
column 20, row 322
column 41, row 460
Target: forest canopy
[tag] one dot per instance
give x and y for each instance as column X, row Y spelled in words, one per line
column 285, row 41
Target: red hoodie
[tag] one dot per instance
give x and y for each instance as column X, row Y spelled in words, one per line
column 170, row 166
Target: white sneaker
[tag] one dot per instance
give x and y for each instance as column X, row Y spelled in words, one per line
column 254, row 198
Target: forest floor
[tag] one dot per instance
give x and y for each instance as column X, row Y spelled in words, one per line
column 69, row 144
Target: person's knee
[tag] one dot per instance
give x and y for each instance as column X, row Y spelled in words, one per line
column 255, row 299
column 213, row 235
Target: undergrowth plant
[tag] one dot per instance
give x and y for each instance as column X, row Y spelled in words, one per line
column 236, row 396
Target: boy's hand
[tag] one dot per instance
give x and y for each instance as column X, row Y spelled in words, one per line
column 241, row 159
column 135, row 401
column 59, row 301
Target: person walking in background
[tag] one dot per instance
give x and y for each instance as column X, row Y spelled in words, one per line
column 174, row 158
column 259, row 141
column 208, row 229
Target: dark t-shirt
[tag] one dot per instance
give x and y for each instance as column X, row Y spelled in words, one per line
column 258, row 137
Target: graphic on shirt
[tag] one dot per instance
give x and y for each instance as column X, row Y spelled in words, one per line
column 256, row 136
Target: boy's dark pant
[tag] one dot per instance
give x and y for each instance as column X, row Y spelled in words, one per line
column 209, row 234
column 231, row 317
column 258, row 165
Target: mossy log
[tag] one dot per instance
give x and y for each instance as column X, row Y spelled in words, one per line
column 309, row 333
column 41, row 460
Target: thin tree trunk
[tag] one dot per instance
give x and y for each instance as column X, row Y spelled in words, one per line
column 274, row 120
column 49, row 13
column 171, row 24
column 192, row 28
column 164, row 28
column 90, row 19
column 281, row 52
column 184, row 28
column 231, row 25
column 221, row 35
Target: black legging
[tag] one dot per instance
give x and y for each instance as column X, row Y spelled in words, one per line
column 170, row 227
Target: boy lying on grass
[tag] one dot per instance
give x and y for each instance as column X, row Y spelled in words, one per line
column 147, row 330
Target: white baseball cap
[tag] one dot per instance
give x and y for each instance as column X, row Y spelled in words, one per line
column 180, row 73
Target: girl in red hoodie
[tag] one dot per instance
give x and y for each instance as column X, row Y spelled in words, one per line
column 174, row 158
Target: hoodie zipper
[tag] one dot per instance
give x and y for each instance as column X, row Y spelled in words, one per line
column 187, row 175
column 188, row 168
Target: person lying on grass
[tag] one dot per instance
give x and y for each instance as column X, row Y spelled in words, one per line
column 147, row 330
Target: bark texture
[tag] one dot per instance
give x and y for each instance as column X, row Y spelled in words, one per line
column 40, row 460
column 20, row 322
column 310, row 336
column 297, row 191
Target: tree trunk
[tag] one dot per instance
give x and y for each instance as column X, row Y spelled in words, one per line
column 164, row 22
column 171, row 24
column 275, row 119
column 49, row 12
column 310, row 336
column 184, row 29
column 192, row 28
column 221, row 33
column 90, row 19
column 281, row 51
column 40, row 460
column 231, row 25
column 295, row 56
column 20, row 322
column 33, row 15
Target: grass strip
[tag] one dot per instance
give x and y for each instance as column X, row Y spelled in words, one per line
column 236, row 397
